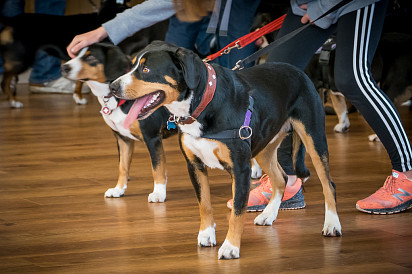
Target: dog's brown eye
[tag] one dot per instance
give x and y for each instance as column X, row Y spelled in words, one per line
column 145, row 69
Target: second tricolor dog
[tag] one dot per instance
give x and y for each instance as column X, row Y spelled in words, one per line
column 98, row 65
column 227, row 117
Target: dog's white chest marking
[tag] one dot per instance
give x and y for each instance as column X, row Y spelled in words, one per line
column 203, row 149
column 116, row 117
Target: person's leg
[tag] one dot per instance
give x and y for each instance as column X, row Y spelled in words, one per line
column 357, row 38
column 184, row 34
column 241, row 17
column 13, row 8
column 46, row 68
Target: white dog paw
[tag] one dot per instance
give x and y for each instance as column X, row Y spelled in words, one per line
column 207, row 237
column 373, row 138
column 331, row 230
column 158, row 195
column 16, row 104
column 332, row 227
column 264, row 219
column 256, row 170
column 228, row 251
column 115, row 192
column 78, row 100
column 341, row 127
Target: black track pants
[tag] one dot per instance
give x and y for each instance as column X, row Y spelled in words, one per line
column 357, row 36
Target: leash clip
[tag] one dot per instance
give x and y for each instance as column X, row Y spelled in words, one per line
column 228, row 49
column 238, row 65
column 249, row 129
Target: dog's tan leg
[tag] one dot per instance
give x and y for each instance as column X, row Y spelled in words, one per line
column 7, row 89
column 267, row 158
column 320, row 158
column 339, row 104
column 230, row 248
column 77, row 95
column 125, row 147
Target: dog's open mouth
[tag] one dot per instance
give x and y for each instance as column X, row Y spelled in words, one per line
column 143, row 107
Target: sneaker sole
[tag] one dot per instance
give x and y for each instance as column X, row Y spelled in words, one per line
column 296, row 202
column 386, row 211
column 290, row 206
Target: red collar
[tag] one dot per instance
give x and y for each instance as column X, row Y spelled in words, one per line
column 207, row 97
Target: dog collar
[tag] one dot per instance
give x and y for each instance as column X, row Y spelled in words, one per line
column 207, row 97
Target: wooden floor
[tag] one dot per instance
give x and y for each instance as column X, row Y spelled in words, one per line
column 57, row 160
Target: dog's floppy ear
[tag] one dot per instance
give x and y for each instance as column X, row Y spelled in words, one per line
column 116, row 63
column 192, row 66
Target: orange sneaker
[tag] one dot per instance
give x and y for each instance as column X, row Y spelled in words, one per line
column 395, row 196
column 260, row 196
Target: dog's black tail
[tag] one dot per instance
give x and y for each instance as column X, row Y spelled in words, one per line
column 299, row 157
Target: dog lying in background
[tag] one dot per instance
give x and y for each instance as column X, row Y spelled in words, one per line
column 227, row 117
column 98, row 65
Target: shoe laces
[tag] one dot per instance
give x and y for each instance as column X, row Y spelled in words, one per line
column 265, row 184
column 389, row 185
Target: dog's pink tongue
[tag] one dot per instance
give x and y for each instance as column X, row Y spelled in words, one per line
column 134, row 111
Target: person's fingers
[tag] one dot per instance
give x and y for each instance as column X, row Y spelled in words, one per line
column 71, row 48
column 85, row 39
column 305, row 19
column 304, row 6
column 78, row 46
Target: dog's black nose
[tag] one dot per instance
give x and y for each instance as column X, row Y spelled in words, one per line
column 115, row 88
column 65, row 69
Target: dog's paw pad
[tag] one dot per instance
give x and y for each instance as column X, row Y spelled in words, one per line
column 156, row 197
column 115, row 192
column 264, row 219
column 228, row 251
column 207, row 237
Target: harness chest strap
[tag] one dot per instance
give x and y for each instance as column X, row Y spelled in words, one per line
column 244, row 132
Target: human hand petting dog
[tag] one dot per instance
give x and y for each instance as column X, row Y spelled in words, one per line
column 86, row 39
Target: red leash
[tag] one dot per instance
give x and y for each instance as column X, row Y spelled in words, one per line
column 248, row 38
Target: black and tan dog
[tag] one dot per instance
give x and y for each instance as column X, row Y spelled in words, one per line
column 227, row 117
column 98, row 65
